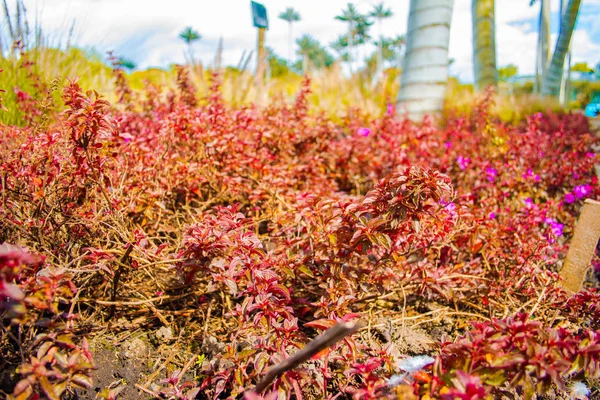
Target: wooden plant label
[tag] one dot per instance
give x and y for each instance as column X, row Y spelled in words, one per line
column 583, row 245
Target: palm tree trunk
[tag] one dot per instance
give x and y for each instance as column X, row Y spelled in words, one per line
column 305, row 64
column 484, row 43
column 565, row 85
column 552, row 78
column 191, row 54
column 425, row 72
column 567, row 78
column 545, row 35
column 379, row 50
column 350, row 45
column 291, row 41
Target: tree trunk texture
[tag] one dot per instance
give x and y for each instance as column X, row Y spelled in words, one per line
column 552, row 79
column 543, row 45
column 425, row 71
column 484, row 44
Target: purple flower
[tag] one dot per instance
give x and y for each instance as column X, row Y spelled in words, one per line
column 463, row 162
column 492, row 215
column 528, row 202
column 569, row 198
column 390, row 109
column 364, row 131
column 491, row 173
column 555, row 226
column 581, row 191
column 447, row 144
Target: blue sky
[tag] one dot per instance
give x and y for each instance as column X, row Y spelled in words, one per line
column 146, row 30
column 588, row 21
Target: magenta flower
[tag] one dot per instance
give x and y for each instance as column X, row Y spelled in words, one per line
column 555, row 226
column 581, row 191
column 528, row 202
column 447, row 144
column 390, row 109
column 569, row 198
column 492, row 215
column 491, row 173
column 364, row 132
column 463, row 162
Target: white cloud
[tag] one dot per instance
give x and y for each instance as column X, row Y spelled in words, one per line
column 146, row 30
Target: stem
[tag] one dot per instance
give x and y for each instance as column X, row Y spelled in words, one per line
column 327, row 339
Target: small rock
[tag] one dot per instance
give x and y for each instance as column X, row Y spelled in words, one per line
column 135, row 349
column 165, row 334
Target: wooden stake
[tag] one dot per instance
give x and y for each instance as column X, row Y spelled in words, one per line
column 583, row 246
column 260, row 56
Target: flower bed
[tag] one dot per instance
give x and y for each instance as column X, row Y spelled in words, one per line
column 249, row 231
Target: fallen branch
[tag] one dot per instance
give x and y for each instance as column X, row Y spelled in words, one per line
column 327, row 339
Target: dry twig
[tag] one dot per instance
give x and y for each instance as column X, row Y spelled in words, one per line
column 327, row 339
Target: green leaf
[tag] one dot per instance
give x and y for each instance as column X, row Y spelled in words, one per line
column 304, row 269
column 244, row 354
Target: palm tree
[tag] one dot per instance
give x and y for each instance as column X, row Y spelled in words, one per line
column 543, row 44
column 398, row 46
column 565, row 84
column 290, row 15
column 340, row 46
column 380, row 13
column 312, row 53
column 484, row 43
column 425, row 72
column 552, row 78
column 189, row 36
column 350, row 16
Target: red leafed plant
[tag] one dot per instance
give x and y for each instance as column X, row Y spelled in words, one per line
column 246, row 231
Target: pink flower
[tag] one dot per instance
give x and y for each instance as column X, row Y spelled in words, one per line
column 569, row 198
column 447, row 144
column 491, row 173
column 390, row 109
column 555, row 226
column 463, row 162
column 581, row 191
column 364, row 131
column 492, row 215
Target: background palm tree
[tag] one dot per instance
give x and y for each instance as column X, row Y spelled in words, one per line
column 290, row 15
column 350, row 15
column 340, row 46
column 398, row 46
column 189, row 36
column 552, row 79
column 543, row 45
column 565, row 84
column 313, row 54
column 425, row 71
column 380, row 13
column 360, row 33
column 392, row 49
column 484, row 43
